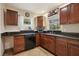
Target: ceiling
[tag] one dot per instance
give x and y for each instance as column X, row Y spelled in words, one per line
column 37, row 8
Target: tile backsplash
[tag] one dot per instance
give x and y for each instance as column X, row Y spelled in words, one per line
column 70, row 28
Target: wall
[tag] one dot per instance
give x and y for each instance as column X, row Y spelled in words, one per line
column 8, row 42
column 46, row 22
column 21, row 25
column 65, row 28
column 1, row 29
column 1, row 18
column 70, row 28
column 1, row 46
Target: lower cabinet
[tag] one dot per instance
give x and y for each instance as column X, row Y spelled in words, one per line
column 73, row 48
column 37, row 39
column 19, row 44
column 48, row 42
column 51, row 44
column 61, row 46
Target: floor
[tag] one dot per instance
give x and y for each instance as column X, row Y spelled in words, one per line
column 38, row 51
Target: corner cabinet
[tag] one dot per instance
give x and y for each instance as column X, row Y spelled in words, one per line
column 11, row 17
column 40, row 21
column 48, row 42
column 69, row 14
column 37, row 39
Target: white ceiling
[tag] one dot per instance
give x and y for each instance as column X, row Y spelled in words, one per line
column 38, row 8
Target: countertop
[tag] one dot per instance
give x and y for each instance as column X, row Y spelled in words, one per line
column 58, row 34
column 66, row 35
column 25, row 34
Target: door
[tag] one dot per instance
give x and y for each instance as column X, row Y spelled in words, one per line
column 40, row 21
column 11, row 17
column 73, row 48
column 44, row 42
column 64, row 15
column 61, row 46
column 74, row 13
column 37, row 39
column 19, row 44
column 51, row 44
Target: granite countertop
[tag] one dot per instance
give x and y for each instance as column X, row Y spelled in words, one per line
column 67, row 35
column 25, row 34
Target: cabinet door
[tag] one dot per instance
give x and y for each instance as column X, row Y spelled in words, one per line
column 73, row 48
column 74, row 13
column 37, row 39
column 11, row 17
column 40, row 21
column 51, row 44
column 19, row 44
column 64, row 15
column 45, row 42
column 61, row 46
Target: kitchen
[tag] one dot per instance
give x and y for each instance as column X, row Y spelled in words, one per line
column 49, row 26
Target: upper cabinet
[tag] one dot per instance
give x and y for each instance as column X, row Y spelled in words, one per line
column 63, row 15
column 11, row 17
column 69, row 14
column 74, row 13
column 40, row 21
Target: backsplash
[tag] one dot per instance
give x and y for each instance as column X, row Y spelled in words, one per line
column 70, row 28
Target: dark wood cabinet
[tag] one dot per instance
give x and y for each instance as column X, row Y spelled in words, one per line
column 61, row 46
column 51, row 44
column 38, row 39
column 73, row 48
column 69, row 14
column 74, row 13
column 11, row 17
column 44, row 42
column 64, row 15
column 48, row 42
column 40, row 21
column 19, row 44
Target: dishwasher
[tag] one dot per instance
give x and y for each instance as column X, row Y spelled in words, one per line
column 30, row 41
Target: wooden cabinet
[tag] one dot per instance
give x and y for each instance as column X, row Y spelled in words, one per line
column 74, row 13
column 69, row 14
column 58, row 45
column 40, row 21
column 61, row 46
column 19, row 44
column 73, row 48
column 37, row 39
column 48, row 42
column 51, row 44
column 44, row 42
column 64, row 15
column 11, row 17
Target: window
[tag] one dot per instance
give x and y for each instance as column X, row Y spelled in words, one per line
column 54, row 22
column 27, row 21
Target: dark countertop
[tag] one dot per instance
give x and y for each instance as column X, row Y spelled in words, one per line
column 56, row 33
column 66, row 35
column 25, row 34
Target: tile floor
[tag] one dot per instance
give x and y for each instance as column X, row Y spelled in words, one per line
column 38, row 51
